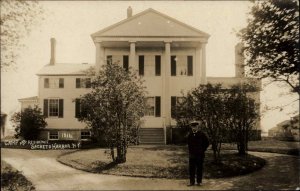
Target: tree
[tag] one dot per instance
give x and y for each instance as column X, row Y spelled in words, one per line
column 29, row 123
column 17, row 19
column 271, row 41
column 206, row 103
column 114, row 107
column 242, row 114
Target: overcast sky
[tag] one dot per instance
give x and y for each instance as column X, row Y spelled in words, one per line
column 72, row 23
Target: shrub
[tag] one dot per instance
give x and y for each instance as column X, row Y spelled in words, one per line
column 29, row 123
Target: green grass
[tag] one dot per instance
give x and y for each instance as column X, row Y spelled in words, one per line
column 160, row 162
column 11, row 179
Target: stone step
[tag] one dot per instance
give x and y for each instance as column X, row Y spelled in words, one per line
column 151, row 136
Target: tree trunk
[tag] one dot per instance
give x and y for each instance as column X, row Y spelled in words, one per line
column 112, row 154
column 121, row 151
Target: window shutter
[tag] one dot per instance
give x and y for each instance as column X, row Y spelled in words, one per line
column 141, row 65
column 190, row 65
column 125, row 62
column 173, row 106
column 61, row 108
column 45, row 107
column 173, row 66
column 157, row 106
column 46, row 83
column 61, row 83
column 77, row 108
column 109, row 59
column 157, row 65
column 88, row 82
column 77, row 82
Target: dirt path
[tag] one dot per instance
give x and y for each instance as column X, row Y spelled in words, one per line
column 42, row 169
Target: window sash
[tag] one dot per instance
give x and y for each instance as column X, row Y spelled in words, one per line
column 85, row 135
column 53, row 135
column 53, row 107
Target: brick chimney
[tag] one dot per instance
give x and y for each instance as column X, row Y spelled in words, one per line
column 239, row 61
column 53, row 44
column 129, row 12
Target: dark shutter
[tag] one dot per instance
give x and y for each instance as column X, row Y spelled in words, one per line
column 61, row 108
column 109, row 59
column 61, row 83
column 190, row 65
column 77, row 82
column 173, row 106
column 46, row 83
column 157, row 106
column 88, row 82
column 45, row 107
column 125, row 62
column 141, row 65
column 173, row 66
column 77, row 108
column 157, row 65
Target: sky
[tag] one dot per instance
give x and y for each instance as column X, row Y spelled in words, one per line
column 72, row 23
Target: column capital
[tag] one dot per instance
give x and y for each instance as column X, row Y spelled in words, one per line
column 132, row 41
column 167, row 41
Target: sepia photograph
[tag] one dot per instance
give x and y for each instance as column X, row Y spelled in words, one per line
column 150, row 95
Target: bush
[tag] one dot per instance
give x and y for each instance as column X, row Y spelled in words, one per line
column 29, row 123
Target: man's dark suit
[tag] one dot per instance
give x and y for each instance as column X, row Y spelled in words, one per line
column 197, row 144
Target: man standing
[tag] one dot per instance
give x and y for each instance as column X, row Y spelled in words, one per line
column 197, row 144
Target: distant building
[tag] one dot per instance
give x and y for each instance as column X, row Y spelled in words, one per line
column 169, row 54
column 286, row 130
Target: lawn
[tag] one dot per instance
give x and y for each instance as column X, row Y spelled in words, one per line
column 271, row 145
column 166, row 161
column 11, row 179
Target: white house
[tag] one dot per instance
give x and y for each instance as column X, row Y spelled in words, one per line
column 169, row 54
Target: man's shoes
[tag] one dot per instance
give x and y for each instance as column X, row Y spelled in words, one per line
column 199, row 184
column 191, row 184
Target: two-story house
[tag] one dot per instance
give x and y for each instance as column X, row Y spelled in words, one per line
column 168, row 54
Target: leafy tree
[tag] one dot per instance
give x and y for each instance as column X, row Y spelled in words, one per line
column 242, row 115
column 206, row 103
column 114, row 107
column 271, row 41
column 29, row 123
column 17, row 19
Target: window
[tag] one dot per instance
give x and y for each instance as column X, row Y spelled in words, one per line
column 153, row 106
column 150, row 106
column 79, row 111
column 157, row 65
column 174, row 102
column 53, row 108
column 85, row 135
column 181, row 65
column 126, row 62
column 109, row 59
column 83, row 82
column 141, row 65
column 53, row 135
column 53, row 83
column 173, row 65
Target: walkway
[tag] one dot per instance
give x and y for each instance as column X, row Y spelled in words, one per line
column 42, row 169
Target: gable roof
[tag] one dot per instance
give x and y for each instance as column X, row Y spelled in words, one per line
column 64, row 69
column 150, row 23
column 34, row 98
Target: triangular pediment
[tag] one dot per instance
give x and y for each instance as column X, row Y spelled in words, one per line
column 150, row 23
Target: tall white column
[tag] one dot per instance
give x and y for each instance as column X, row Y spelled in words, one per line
column 166, row 104
column 203, row 64
column 132, row 55
column 198, row 63
column 100, row 58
